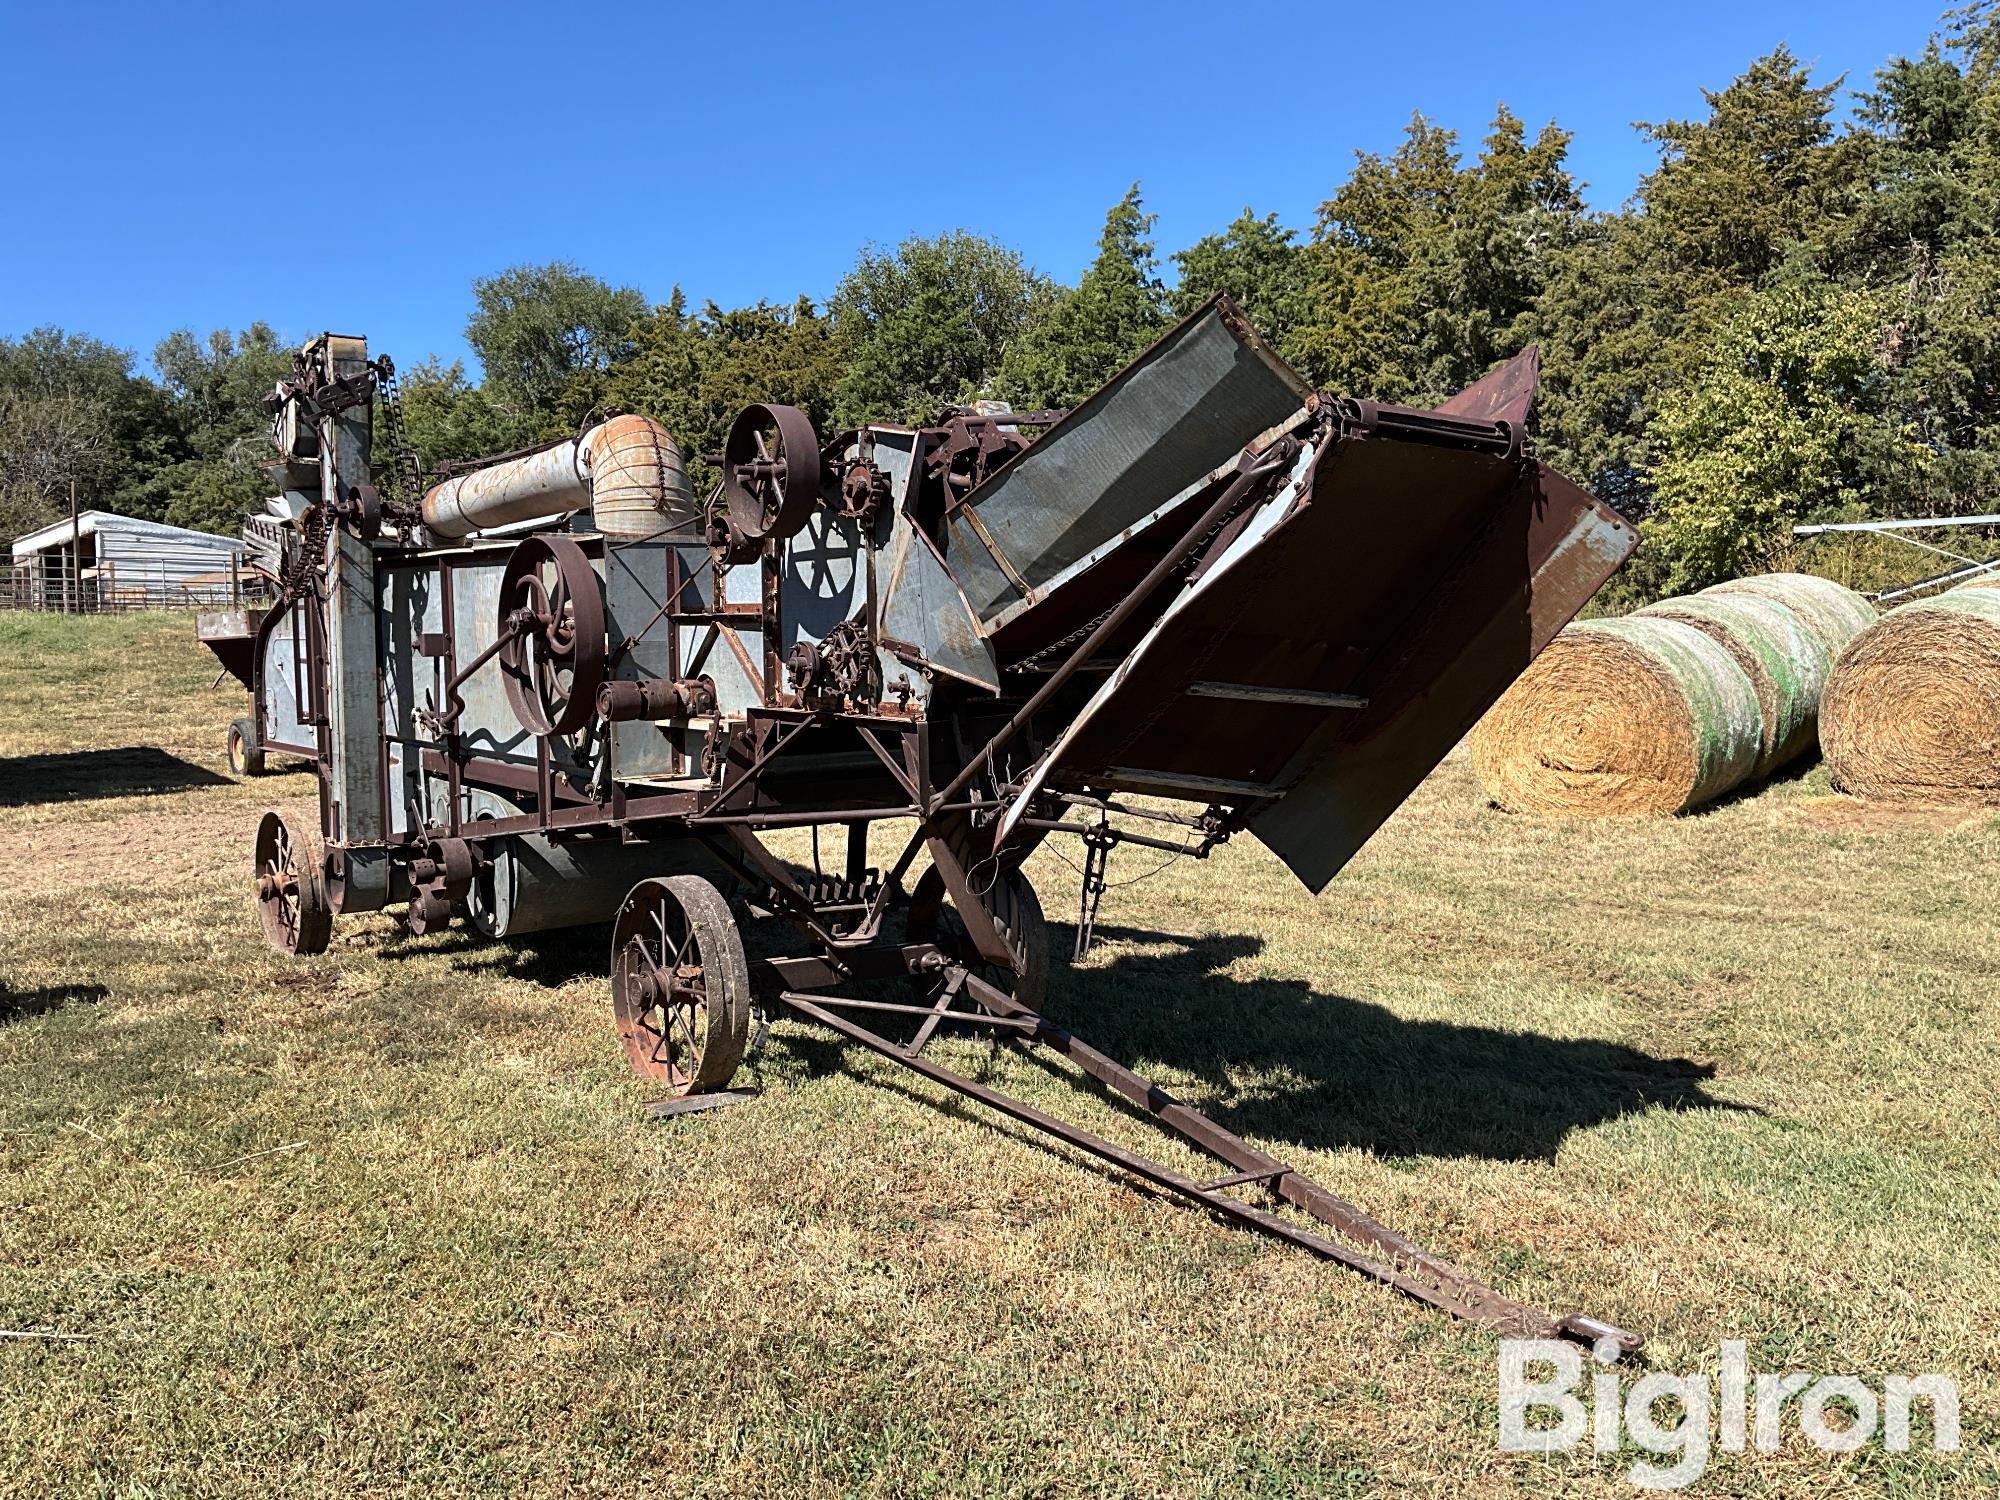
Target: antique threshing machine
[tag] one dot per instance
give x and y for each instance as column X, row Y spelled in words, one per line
column 564, row 689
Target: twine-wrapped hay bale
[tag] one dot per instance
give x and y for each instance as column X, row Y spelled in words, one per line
column 1786, row 662
column 1639, row 717
column 1832, row 612
column 1912, row 710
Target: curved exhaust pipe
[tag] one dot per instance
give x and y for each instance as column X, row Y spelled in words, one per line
column 627, row 471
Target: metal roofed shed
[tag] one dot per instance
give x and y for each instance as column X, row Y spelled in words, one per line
column 100, row 560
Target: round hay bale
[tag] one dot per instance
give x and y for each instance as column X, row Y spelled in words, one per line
column 1912, row 710
column 1621, row 719
column 1987, row 581
column 1786, row 662
column 1834, row 613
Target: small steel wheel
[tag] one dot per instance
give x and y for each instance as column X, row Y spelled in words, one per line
column 291, row 889
column 1018, row 913
column 246, row 756
column 680, row 985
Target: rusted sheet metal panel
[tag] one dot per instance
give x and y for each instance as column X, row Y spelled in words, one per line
column 1503, row 395
column 923, row 608
column 232, row 635
column 1344, row 643
column 1188, row 405
column 1547, row 548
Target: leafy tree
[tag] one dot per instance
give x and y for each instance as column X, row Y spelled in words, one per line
column 1764, row 435
column 546, row 334
column 216, row 386
column 1925, row 234
column 446, row 418
column 694, row 374
column 48, row 443
column 1514, row 212
column 1630, row 306
column 71, row 409
column 1361, row 320
column 662, row 378
column 766, row 353
column 215, row 494
column 927, row 324
column 1093, row 331
column 1257, row 262
column 1761, row 173
column 1424, row 272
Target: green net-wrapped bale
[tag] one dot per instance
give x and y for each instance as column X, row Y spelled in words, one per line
column 1786, row 662
column 1834, row 613
column 1984, row 581
column 1631, row 718
column 1912, row 710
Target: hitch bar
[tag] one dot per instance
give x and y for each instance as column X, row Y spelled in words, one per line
column 1401, row 1264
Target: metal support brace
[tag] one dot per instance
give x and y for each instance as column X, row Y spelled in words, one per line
column 1402, row 1264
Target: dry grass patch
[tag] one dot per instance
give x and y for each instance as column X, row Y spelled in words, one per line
column 1730, row 1075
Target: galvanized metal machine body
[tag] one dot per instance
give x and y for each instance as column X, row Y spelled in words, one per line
column 562, row 691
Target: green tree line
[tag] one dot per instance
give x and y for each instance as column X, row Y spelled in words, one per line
column 1795, row 317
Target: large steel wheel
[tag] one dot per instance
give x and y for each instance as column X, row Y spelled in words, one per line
column 1018, row 914
column 680, row 985
column 291, row 889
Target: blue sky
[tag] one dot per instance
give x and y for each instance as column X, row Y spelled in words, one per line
column 356, row 166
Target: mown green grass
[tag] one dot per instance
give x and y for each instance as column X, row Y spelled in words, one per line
column 1728, row 1076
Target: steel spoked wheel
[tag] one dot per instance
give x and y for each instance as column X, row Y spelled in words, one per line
column 680, row 985
column 291, row 889
column 1018, row 912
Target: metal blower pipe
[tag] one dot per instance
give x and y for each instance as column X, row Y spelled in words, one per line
column 629, row 468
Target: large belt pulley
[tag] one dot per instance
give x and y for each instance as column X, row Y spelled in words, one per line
column 770, row 473
column 551, row 635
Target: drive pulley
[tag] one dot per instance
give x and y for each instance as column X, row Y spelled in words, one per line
column 551, row 635
column 770, row 473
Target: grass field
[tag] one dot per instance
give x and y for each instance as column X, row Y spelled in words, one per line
column 391, row 1221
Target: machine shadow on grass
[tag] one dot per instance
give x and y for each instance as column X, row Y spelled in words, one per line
column 81, row 775
column 19, row 1005
column 1331, row 1071
column 1324, row 1071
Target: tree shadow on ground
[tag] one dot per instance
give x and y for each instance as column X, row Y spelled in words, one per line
column 76, row 775
column 1287, row 1060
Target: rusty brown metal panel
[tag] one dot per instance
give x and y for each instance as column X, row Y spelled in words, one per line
column 1333, row 661
column 1548, row 549
column 1506, row 394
